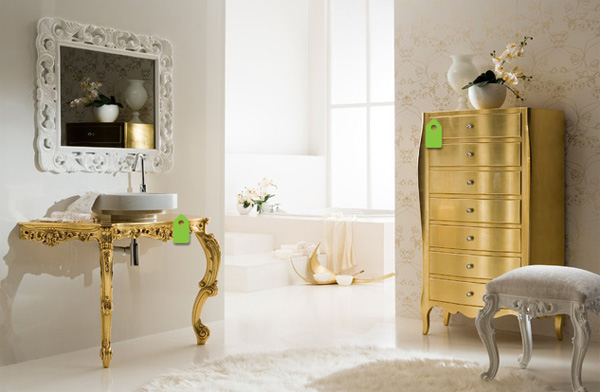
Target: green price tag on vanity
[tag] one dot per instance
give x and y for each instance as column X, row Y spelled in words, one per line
column 433, row 134
column 181, row 230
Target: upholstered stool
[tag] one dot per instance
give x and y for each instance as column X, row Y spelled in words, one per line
column 541, row 290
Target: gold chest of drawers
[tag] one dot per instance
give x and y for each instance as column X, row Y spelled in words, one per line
column 492, row 199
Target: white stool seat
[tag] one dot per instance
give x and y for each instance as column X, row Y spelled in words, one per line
column 541, row 290
column 549, row 282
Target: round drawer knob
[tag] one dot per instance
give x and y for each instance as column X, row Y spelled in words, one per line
column 469, row 294
column 469, row 126
column 470, row 154
column 469, row 266
column 470, row 182
column 90, row 134
column 470, row 238
column 470, row 210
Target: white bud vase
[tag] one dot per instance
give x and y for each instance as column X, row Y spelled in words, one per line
column 105, row 113
column 244, row 210
column 490, row 96
column 461, row 72
column 135, row 96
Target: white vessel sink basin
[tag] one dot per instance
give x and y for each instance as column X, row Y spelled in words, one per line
column 133, row 207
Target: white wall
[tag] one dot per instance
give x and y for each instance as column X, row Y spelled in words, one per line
column 300, row 179
column 267, row 75
column 275, row 101
column 49, row 296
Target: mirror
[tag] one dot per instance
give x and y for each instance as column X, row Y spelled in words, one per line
column 134, row 69
column 122, row 77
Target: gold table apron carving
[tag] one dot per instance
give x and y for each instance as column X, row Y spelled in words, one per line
column 53, row 233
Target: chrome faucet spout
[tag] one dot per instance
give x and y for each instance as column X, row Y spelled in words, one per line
column 133, row 250
column 134, row 253
column 140, row 156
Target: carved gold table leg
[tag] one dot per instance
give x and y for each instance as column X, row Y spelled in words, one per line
column 208, row 284
column 106, row 292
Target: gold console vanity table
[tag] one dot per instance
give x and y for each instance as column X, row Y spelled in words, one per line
column 53, row 233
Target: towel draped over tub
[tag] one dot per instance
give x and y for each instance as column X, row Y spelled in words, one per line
column 338, row 234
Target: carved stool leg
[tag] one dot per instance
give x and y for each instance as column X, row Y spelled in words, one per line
column 525, row 327
column 486, row 332
column 208, row 284
column 581, row 339
column 106, row 293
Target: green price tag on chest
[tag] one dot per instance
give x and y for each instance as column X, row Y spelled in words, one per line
column 181, row 230
column 433, row 134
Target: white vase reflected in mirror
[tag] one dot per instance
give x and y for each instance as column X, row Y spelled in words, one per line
column 135, row 96
column 105, row 113
column 461, row 72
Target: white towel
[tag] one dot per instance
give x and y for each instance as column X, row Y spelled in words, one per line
column 78, row 211
column 338, row 232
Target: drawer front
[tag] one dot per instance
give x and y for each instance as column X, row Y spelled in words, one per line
column 463, row 293
column 476, row 154
column 95, row 134
column 474, row 210
column 475, row 238
column 470, row 266
column 481, row 126
column 475, row 182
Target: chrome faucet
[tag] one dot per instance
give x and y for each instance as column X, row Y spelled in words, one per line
column 133, row 248
column 139, row 156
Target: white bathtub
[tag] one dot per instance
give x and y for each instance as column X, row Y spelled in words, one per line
column 324, row 212
column 373, row 233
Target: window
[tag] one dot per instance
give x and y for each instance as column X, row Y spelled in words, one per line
column 361, row 103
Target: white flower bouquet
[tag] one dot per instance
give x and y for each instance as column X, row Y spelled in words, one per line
column 501, row 74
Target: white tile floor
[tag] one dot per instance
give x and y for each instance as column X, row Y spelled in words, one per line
column 293, row 316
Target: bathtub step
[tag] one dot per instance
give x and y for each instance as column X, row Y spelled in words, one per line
column 254, row 272
column 262, row 271
column 247, row 243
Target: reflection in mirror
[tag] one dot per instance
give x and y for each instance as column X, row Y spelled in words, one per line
column 124, row 77
column 134, row 69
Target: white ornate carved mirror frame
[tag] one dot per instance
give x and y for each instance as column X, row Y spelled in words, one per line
column 52, row 33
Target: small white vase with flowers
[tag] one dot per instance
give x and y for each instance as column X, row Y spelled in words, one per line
column 488, row 90
column 263, row 194
column 105, row 109
column 257, row 196
column 245, row 203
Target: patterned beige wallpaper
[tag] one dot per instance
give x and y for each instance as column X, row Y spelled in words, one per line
column 564, row 59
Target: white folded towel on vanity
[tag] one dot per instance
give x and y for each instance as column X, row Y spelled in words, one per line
column 78, row 211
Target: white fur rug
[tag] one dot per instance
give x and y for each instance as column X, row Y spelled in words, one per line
column 353, row 369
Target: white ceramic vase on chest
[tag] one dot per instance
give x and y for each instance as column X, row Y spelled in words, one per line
column 490, row 96
column 461, row 72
